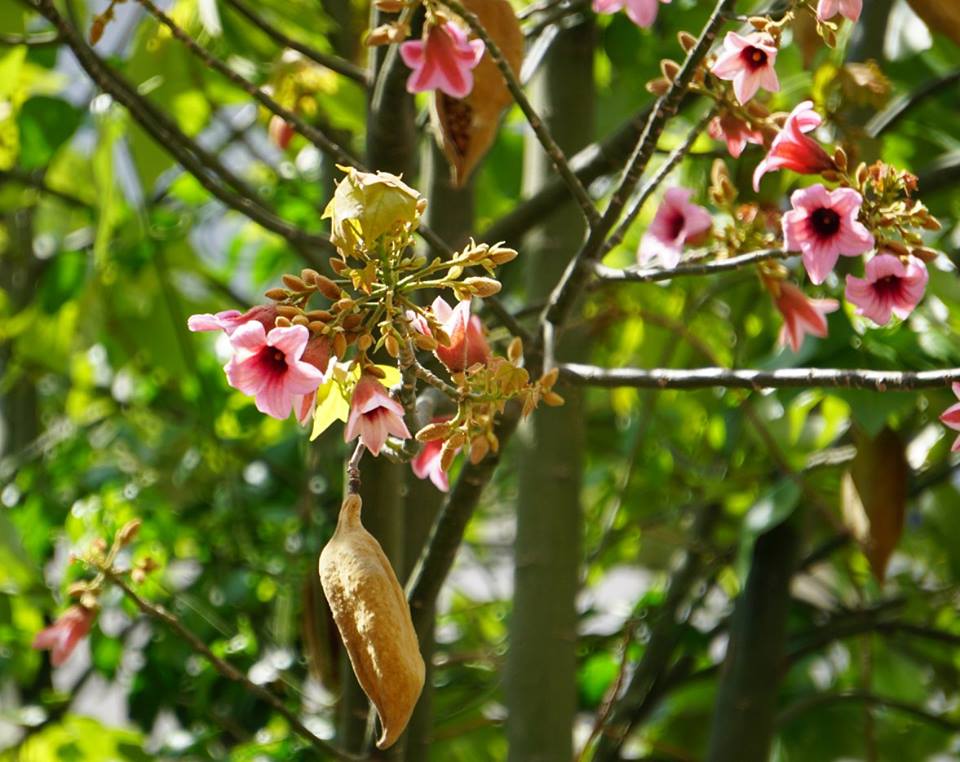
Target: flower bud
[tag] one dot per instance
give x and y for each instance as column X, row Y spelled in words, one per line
column 277, row 294
column 482, row 286
column 294, row 283
column 327, row 287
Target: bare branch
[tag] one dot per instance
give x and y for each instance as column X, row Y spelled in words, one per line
column 757, row 380
column 821, row 699
column 654, row 274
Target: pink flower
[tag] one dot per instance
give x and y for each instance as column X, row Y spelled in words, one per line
column 748, row 62
column 280, row 131
column 801, row 315
column 374, row 415
column 736, row 132
column 640, row 12
column 827, row 9
column 62, row 636
column 444, row 61
column 792, row 149
column 823, row 225
column 951, row 417
column 890, row 287
column 269, row 367
column 230, row 320
column 428, row 462
column 676, row 223
column 317, row 354
column 468, row 345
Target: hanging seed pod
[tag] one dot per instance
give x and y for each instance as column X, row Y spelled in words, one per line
column 374, row 621
column 466, row 128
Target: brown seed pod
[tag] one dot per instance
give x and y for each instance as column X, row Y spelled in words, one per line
column 466, row 128
column 374, row 621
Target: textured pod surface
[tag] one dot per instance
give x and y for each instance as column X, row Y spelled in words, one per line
column 373, row 617
column 466, row 128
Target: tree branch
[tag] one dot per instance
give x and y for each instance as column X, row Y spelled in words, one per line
column 654, row 274
column 225, row 668
column 332, row 62
column 887, row 118
column 543, row 134
column 821, row 699
column 785, row 378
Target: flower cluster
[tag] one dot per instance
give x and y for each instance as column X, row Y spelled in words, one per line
column 311, row 350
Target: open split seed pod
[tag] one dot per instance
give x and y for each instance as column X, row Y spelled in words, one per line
column 374, row 621
column 467, row 127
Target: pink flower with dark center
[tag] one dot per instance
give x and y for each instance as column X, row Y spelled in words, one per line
column 230, row 320
column 641, row 12
column 823, row 225
column 269, row 367
column 374, row 415
column 62, row 636
column 891, row 287
column 443, row 61
column 801, row 315
column 827, row 9
column 428, row 463
column 792, row 149
column 951, row 418
column 748, row 63
column 736, row 132
column 676, row 223
column 468, row 345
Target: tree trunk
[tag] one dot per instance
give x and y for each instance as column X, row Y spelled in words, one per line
column 744, row 714
column 541, row 667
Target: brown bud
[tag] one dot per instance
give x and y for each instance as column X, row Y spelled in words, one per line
column 128, row 532
column 447, row 453
column 479, row 447
column 669, row 69
column 758, row 22
column 372, row 615
column 365, row 342
column 327, row 287
column 309, row 276
column 482, row 286
column 658, row 86
column 294, row 283
column 548, row 379
column 373, row 370
column 390, row 6
column 282, row 322
column 552, row 399
column 288, row 310
column 352, row 321
column 426, row 343
column 840, row 159
column 500, row 256
column 392, row 346
column 96, row 29
column 342, row 305
column 324, row 315
column 337, row 265
column 339, row 344
column 687, row 41
column 515, row 350
column 922, row 252
column 277, row 294
column 300, row 320
column 433, row 431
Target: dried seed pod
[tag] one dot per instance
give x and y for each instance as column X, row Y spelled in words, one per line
column 294, row 283
column 466, row 128
column 373, row 617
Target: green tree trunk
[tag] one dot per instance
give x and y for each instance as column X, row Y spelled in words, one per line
column 541, row 668
column 746, row 702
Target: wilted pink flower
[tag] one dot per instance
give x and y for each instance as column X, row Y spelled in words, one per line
column 801, row 315
column 823, row 225
column 230, row 320
column 677, row 222
column 890, row 287
column 748, row 63
column 428, row 462
column 951, row 417
column 640, row 12
column 374, row 415
column 444, row 61
column 280, row 131
column 827, row 9
column 269, row 367
column 468, row 345
column 792, row 149
column 62, row 636
column 736, row 132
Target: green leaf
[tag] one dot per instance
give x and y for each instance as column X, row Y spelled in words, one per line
column 45, row 124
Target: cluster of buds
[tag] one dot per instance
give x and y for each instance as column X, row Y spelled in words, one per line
column 312, row 350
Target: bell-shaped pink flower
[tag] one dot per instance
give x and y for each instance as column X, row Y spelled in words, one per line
column 374, row 415
column 269, row 367
column 61, row 637
column 801, row 315
column 736, row 132
column 951, row 418
column 443, row 61
column 827, row 9
column 792, row 149
column 823, row 225
column 230, row 320
column 748, row 63
column 468, row 345
column 428, row 462
column 641, row 12
column 891, row 287
column 677, row 222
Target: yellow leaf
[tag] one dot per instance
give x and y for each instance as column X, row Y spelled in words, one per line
column 391, row 375
column 331, row 406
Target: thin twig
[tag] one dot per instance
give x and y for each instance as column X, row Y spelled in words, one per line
column 654, row 274
column 225, row 668
column 543, row 134
column 757, row 380
column 315, row 135
column 332, row 62
column 820, row 699
column 887, row 118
